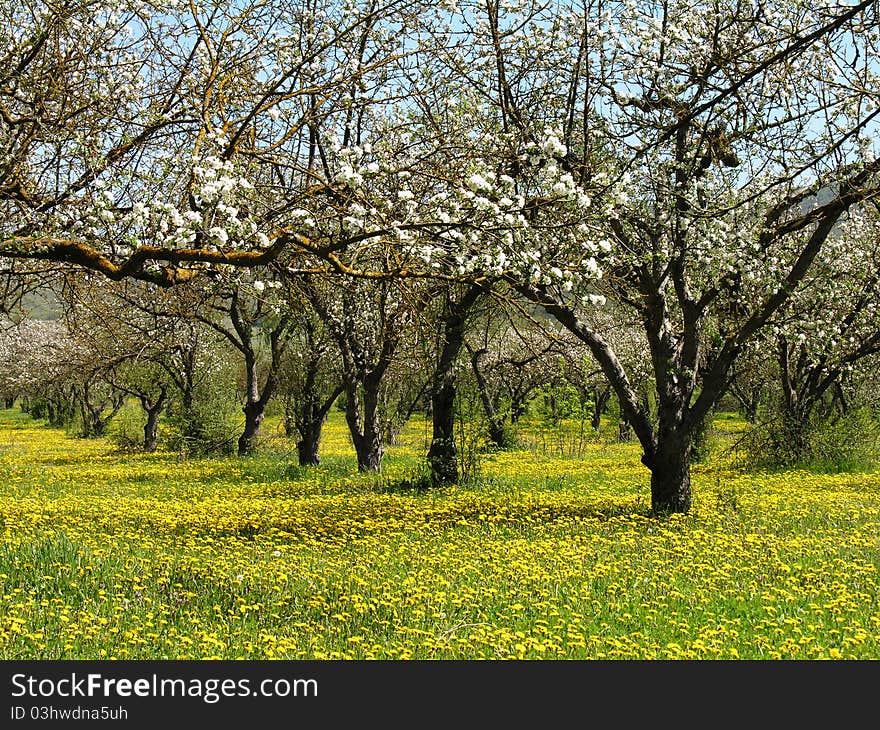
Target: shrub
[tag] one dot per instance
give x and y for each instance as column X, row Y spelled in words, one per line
column 127, row 429
column 211, row 424
column 850, row 442
column 705, row 442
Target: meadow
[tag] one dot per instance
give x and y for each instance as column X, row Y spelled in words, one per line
column 548, row 552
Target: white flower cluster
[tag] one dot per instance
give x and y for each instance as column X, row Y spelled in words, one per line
column 215, row 180
column 95, row 217
column 260, row 286
column 355, row 165
column 216, row 220
column 506, row 233
column 551, row 145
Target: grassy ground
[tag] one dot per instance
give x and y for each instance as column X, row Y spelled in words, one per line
column 547, row 553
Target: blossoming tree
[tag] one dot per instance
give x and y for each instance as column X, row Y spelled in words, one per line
column 698, row 131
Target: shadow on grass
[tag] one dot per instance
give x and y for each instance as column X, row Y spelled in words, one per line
column 346, row 522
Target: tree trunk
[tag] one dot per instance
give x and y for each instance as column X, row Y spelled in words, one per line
column 289, row 416
column 366, row 432
column 307, row 446
column 600, row 403
column 390, row 432
column 255, row 405
column 671, row 478
column 151, row 430
column 187, row 399
column 517, row 409
column 153, row 411
column 670, row 459
column 495, row 422
column 369, row 450
column 9, row 401
column 86, row 423
column 100, row 416
column 443, row 455
column 751, row 411
column 309, row 422
column 596, row 418
column 253, row 419
column 99, row 427
column 309, row 425
column 372, row 449
column 794, row 445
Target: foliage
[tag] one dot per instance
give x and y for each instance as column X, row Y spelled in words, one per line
column 127, row 429
column 212, row 423
column 848, row 443
column 558, row 402
column 704, row 442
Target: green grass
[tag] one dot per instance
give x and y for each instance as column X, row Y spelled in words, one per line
column 549, row 553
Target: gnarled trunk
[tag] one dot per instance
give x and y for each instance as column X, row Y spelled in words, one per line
column 151, row 431
column 600, row 403
column 307, row 447
column 369, row 450
column 97, row 416
column 255, row 404
column 309, row 422
column 495, row 421
column 153, row 409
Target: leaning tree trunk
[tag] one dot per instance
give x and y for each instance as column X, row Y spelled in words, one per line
column 254, row 411
column 495, row 422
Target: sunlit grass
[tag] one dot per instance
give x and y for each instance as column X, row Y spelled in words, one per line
column 126, row 555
